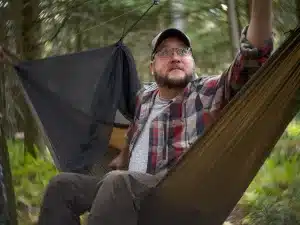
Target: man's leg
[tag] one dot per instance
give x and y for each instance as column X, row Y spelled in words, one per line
column 118, row 197
column 67, row 196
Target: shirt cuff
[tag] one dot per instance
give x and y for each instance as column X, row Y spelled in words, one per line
column 249, row 51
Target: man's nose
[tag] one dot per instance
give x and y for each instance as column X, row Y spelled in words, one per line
column 175, row 56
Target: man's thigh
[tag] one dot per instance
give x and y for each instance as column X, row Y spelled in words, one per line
column 76, row 190
column 137, row 184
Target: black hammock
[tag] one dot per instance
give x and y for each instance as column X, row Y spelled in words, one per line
column 79, row 98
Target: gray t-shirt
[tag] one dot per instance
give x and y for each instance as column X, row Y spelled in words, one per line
column 139, row 158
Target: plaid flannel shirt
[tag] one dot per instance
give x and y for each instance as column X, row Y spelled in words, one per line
column 188, row 116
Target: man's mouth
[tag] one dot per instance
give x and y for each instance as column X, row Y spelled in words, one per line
column 175, row 68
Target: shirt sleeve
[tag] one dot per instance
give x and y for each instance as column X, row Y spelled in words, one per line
column 247, row 61
column 216, row 91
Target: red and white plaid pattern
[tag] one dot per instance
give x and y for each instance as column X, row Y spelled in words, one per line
column 188, row 116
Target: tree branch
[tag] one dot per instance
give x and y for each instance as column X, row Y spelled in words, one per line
column 56, row 33
column 67, row 10
column 7, row 56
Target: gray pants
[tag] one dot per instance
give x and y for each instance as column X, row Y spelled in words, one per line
column 114, row 200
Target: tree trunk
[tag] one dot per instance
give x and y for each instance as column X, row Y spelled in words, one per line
column 78, row 39
column 177, row 9
column 10, row 193
column 238, row 17
column 249, row 7
column 78, row 33
column 233, row 26
column 4, row 154
column 31, row 33
column 298, row 10
column 27, row 31
column 30, row 29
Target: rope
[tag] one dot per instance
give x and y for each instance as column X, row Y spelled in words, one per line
column 112, row 19
column 155, row 2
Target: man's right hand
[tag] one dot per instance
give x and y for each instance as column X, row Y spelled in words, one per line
column 120, row 162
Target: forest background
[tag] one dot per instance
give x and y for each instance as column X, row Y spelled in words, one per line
column 40, row 28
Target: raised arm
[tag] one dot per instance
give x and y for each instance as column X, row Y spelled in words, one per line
column 255, row 48
column 260, row 27
column 256, row 45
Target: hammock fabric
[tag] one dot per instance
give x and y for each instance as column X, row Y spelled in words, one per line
column 79, row 98
column 209, row 180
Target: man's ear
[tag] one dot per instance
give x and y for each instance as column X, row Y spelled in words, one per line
column 151, row 69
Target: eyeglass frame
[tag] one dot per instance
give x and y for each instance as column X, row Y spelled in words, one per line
column 189, row 49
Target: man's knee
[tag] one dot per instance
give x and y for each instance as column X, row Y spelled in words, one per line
column 116, row 176
column 60, row 183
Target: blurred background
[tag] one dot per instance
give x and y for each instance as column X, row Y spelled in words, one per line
column 40, row 28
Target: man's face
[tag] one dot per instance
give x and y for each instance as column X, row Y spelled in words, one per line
column 173, row 65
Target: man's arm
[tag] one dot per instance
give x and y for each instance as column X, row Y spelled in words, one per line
column 122, row 160
column 256, row 45
column 260, row 27
column 255, row 48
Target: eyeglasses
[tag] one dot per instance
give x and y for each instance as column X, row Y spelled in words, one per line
column 168, row 52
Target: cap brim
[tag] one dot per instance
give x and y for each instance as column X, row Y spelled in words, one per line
column 171, row 32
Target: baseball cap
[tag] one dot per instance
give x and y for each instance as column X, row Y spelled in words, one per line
column 170, row 32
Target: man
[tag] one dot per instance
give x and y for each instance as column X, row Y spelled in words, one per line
column 170, row 115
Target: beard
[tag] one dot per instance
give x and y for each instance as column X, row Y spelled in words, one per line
column 171, row 83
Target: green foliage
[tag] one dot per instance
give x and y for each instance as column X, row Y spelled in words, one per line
column 74, row 25
column 30, row 177
column 293, row 130
column 273, row 198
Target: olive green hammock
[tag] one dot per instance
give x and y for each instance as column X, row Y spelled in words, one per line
column 212, row 176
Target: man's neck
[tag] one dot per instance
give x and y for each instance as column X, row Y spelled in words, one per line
column 168, row 94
